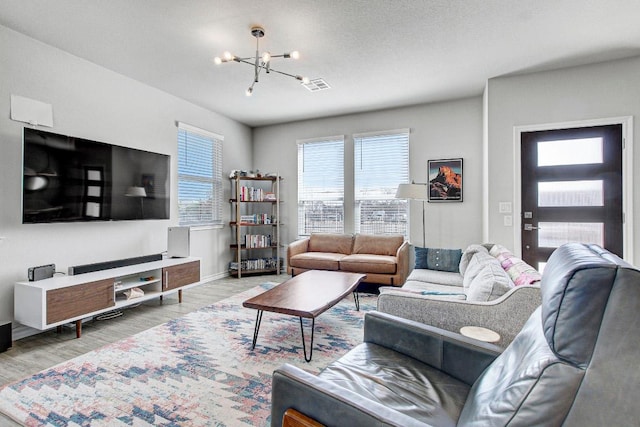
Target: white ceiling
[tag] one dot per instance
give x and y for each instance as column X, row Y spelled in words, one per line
column 374, row 53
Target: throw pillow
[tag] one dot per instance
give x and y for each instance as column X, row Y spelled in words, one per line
column 468, row 254
column 497, row 250
column 520, row 272
column 421, row 257
column 444, row 259
column 438, row 259
column 490, row 283
column 477, row 263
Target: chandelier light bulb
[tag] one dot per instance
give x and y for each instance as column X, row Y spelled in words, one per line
column 261, row 62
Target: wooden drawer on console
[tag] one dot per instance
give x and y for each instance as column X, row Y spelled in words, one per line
column 73, row 301
column 180, row 275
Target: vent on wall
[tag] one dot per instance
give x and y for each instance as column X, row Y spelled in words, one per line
column 316, row 85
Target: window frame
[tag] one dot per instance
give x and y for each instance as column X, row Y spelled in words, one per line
column 338, row 201
column 400, row 136
column 216, row 179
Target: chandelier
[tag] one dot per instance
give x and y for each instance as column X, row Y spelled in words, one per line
column 261, row 62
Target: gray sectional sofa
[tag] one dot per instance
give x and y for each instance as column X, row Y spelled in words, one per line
column 573, row 363
column 491, row 288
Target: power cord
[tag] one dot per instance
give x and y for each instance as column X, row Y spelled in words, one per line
column 109, row 315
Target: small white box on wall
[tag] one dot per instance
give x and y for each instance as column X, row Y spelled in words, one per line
column 30, row 111
column 178, row 245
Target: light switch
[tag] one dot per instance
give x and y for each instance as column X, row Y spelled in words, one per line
column 504, row 207
column 507, row 220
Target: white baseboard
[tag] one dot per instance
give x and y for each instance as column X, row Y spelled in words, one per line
column 216, row 276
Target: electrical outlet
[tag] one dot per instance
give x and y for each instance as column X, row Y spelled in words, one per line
column 504, row 207
column 507, row 220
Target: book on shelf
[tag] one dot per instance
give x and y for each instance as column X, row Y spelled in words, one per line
column 257, row 241
column 256, row 264
column 256, row 219
column 251, row 194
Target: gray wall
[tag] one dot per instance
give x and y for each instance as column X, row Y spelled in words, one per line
column 92, row 102
column 481, row 130
column 438, row 131
column 604, row 90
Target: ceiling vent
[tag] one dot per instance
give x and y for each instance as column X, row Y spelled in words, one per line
column 316, row 85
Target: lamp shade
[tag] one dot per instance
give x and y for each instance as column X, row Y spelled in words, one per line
column 136, row 192
column 34, row 183
column 412, row 191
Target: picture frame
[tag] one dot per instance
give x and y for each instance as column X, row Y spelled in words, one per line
column 444, row 177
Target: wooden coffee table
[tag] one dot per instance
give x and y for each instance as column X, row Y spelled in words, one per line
column 306, row 295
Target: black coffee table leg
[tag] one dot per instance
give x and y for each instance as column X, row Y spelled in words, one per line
column 256, row 329
column 356, row 298
column 304, row 346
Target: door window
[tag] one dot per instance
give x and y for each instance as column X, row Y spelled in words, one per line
column 556, row 234
column 571, row 190
column 579, row 151
column 571, row 193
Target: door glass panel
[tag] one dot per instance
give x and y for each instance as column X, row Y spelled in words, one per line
column 555, row 234
column 541, row 266
column 570, row 193
column 570, row 152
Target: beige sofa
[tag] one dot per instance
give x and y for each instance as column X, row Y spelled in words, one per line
column 383, row 258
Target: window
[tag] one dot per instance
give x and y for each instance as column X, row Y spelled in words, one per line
column 571, row 193
column 199, row 176
column 321, row 186
column 381, row 162
column 579, row 151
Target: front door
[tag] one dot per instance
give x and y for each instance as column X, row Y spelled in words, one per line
column 571, row 190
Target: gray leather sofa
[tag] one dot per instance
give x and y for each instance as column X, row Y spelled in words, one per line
column 573, row 363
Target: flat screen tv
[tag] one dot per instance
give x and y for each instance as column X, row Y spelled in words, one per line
column 70, row 179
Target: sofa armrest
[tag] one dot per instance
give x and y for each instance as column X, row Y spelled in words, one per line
column 449, row 352
column 296, row 247
column 327, row 403
column 505, row 315
column 402, row 259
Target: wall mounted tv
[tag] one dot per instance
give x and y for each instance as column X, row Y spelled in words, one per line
column 70, row 179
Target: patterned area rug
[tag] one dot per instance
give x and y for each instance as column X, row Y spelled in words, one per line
column 197, row 370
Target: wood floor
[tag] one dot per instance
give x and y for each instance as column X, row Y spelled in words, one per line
column 35, row 353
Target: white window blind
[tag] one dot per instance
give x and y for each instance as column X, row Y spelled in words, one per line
column 199, row 176
column 381, row 162
column 321, row 186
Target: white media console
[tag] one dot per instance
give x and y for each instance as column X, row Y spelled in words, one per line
column 59, row 300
